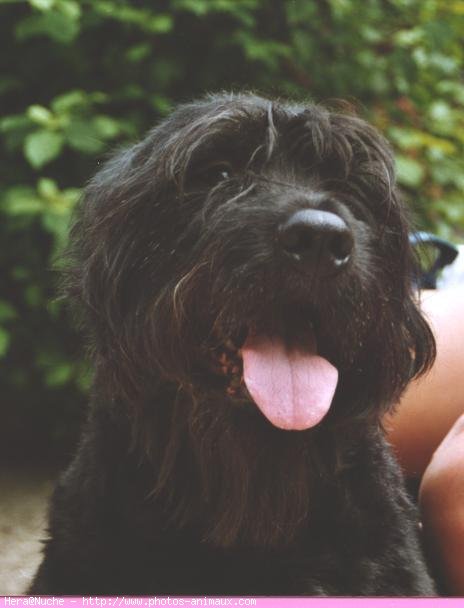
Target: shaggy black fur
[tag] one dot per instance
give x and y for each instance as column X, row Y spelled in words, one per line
column 180, row 484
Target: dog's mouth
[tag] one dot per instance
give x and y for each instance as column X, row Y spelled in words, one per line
column 291, row 384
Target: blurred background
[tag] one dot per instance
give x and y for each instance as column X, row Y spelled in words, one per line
column 80, row 77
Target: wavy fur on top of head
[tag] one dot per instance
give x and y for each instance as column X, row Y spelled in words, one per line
column 173, row 254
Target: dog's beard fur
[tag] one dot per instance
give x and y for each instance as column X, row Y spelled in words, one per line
column 237, row 480
column 169, row 263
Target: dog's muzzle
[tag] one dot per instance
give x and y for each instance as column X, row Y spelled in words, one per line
column 317, row 241
column 280, row 367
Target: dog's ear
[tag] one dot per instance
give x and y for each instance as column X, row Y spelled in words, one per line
column 422, row 340
column 401, row 344
column 408, row 340
column 114, row 258
column 412, row 343
column 412, row 329
column 417, row 332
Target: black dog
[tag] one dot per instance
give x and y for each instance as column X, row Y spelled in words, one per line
column 244, row 274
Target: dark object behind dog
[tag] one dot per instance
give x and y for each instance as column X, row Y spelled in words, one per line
column 236, row 268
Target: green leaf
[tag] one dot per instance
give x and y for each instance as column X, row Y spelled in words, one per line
column 408, row 37
column 70, row 8
column 41, row 147
column 33, row 296
column 404, row 138
column 106, row 127
column 145, row 19
column 42, row 5
column 160, row 24
column 58, row 225
column 7, row 312
column 47, row 188
column 410, row 172
column 56, row 25
column 62, row 27
column 39, row 114
column 71, row 195
column 161, row 103
column 139, row 52
column 20, row 273
column 59, row 375
column 21, row 200
column 14, row 122
column 70, row 101
column 4, row 341
column 82, row 135
column 440, row 111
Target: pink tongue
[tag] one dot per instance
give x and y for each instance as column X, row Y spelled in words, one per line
column 293, row 388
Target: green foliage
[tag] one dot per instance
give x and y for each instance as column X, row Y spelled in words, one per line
column 79, row 77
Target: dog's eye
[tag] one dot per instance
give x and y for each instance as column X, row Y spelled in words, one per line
column 215, row 172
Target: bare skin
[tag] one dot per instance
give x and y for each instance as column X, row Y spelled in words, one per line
column 442, row 507
column 427, row 433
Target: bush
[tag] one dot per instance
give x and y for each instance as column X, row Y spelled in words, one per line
column 79, row 77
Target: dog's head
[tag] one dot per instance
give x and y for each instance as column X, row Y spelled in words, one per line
column 257, row 251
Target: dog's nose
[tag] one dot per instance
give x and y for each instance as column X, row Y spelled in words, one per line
column 319, row 240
